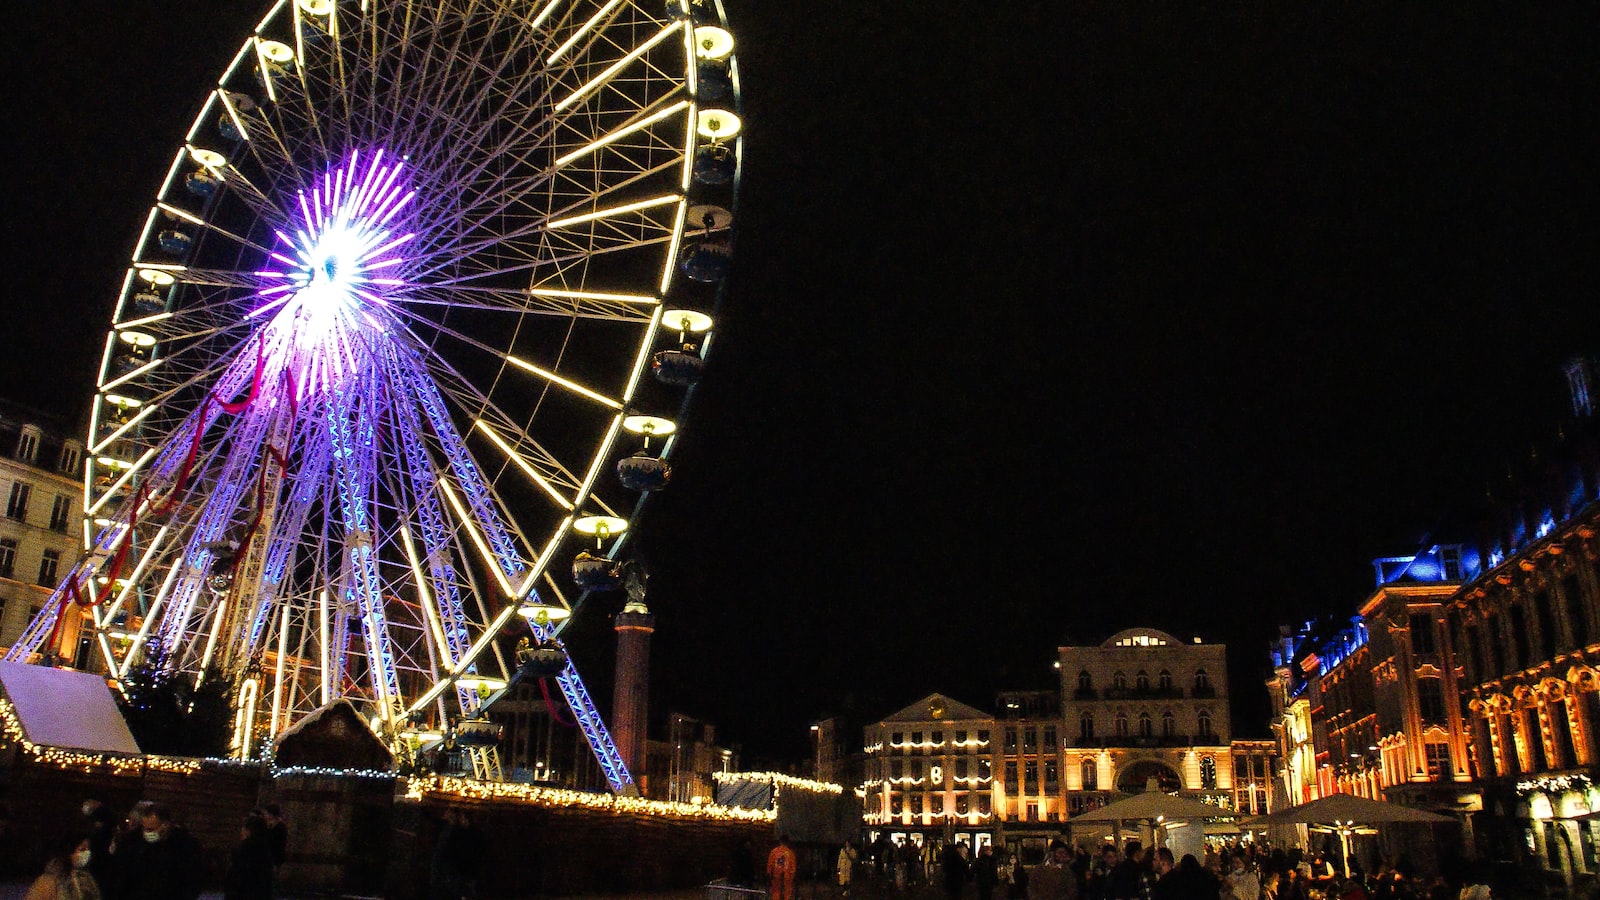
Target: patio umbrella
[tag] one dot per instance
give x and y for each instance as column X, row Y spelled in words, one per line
column 1153, row 806
column 1345, row 815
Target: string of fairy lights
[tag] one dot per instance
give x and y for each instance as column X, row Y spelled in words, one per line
column 415, row 788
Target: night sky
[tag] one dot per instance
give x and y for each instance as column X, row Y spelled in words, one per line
column 1045, row 320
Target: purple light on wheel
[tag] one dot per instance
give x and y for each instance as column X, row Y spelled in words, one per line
column 338, row 262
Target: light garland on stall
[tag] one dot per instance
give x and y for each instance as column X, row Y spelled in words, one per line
column 559, row 798
column 780, row 779
column 84, row 761
column 415, row 788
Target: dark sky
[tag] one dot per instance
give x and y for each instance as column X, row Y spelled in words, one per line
column 1046, row 320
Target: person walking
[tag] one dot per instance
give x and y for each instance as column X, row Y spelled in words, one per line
column 986, row 872
column 782, row 866
column 66, row 874
column 843, row 866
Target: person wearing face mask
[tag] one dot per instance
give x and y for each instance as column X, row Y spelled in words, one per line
column 99, row 826
column 66, row 874
column 168, row 865
column 1240, row 882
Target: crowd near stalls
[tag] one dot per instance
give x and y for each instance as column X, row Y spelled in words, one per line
column 146, row 853
column 1130, row 871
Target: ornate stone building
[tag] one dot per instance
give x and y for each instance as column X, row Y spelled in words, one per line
column 1371, row 709
column 1529, row 635
column 1141, row 706
column 1470, row 681
column 1144, row 705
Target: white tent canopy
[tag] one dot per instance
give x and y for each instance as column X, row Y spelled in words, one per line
column 66, row 709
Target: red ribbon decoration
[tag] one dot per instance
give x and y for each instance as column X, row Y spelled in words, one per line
column 551, row 704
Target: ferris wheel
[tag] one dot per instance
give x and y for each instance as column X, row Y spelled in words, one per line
column 382, row 361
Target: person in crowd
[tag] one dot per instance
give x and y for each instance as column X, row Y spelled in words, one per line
column 782, row 866
column 66, row 873
column 169, row 865
column 1053, row 879
column 99, row 826
column 1269, row 886
column 1129, row 880
column 277, row 832
column 250, row 868
column 953, row 870
column 1099, row 878
column 1240, row 883
column 1017, row 887
column 1167, row 881
column 986, row 872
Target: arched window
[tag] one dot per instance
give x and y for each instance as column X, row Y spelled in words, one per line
column 1169, row 725
column 1086, row 726
column 1085, row 681
column 1122, row 724
column 1202, row 682
column 1205, row 723
column 1119, row 681
column 1144, row 725
column 1164, row 680
column 1208, row 774
column 1141, row 681
column 1091, row 775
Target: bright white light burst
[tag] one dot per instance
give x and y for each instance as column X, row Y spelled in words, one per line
column 341, row 261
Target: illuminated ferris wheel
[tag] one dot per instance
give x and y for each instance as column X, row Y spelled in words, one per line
column 382, row 361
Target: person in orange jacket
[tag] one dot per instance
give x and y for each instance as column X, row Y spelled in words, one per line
column 781, row 867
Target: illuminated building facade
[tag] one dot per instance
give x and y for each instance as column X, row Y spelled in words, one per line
column 1371, row 709
column 1145, row 705
column 1530, row 642
column 930, row 773
column 1470, row 681
column 1028, row 792
column 41, row 529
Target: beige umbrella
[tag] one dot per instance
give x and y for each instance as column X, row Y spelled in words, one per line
column 1346, row 815
column 1153, row 806
column 1155, row 809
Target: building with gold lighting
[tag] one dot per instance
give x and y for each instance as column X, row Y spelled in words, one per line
column 1372, row 709
column 930, row 773
column 41, row 484
column 1142, row 707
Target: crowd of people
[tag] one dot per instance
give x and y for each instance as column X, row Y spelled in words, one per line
column 1240, row 871
column 148, row 854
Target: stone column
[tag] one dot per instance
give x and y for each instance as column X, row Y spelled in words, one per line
column 630, row 706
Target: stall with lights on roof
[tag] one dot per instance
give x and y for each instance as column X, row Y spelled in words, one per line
column 381, row 362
